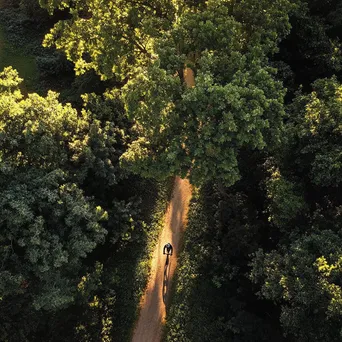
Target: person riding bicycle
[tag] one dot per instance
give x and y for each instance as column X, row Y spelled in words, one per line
column 168, row 247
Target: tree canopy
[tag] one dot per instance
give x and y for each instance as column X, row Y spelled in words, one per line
column 47, row 223
column 243, row 97
column 179, row 130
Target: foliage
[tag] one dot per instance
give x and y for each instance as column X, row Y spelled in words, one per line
column 59, row 168
column 206, row 147
column 313, row 48
column 285, row 204
column 316, row 128
column 109, row 36
column 213, row 299
column 150, row 47
column 108, row 309
column 47, row 224
column 305, row 280
column 262, row 258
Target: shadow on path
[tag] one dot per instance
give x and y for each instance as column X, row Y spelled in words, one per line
column 167, row 268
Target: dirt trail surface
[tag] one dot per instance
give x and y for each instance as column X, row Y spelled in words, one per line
column 153, row 304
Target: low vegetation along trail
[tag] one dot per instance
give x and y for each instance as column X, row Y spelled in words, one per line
column 154, row 302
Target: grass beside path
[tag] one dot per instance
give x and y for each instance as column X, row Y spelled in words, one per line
column 24, row 63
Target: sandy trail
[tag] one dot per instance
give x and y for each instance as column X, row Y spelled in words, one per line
column 154, row 302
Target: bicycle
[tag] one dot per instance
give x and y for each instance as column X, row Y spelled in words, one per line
column 168, row 254
column 166, row 275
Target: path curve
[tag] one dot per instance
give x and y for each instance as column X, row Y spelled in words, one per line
column 154, row 302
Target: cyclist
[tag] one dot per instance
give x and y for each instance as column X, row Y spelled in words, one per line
column 168, row 247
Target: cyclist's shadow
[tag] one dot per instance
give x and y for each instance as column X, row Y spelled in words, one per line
column 166, row 277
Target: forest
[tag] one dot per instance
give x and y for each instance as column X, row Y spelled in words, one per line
column 96, row 121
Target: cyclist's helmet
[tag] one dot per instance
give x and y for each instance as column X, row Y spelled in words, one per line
column 168, row 245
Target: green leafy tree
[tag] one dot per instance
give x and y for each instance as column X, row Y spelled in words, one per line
column 285, row 200
column 313, row 48
column 113, row 37
column 315, row 131
column 202, row 129
column 305, row 281
column 236, row 102
column 98, row 169
column 48, row 225
column 109, row 36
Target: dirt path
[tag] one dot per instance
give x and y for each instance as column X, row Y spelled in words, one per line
column 153, row 304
